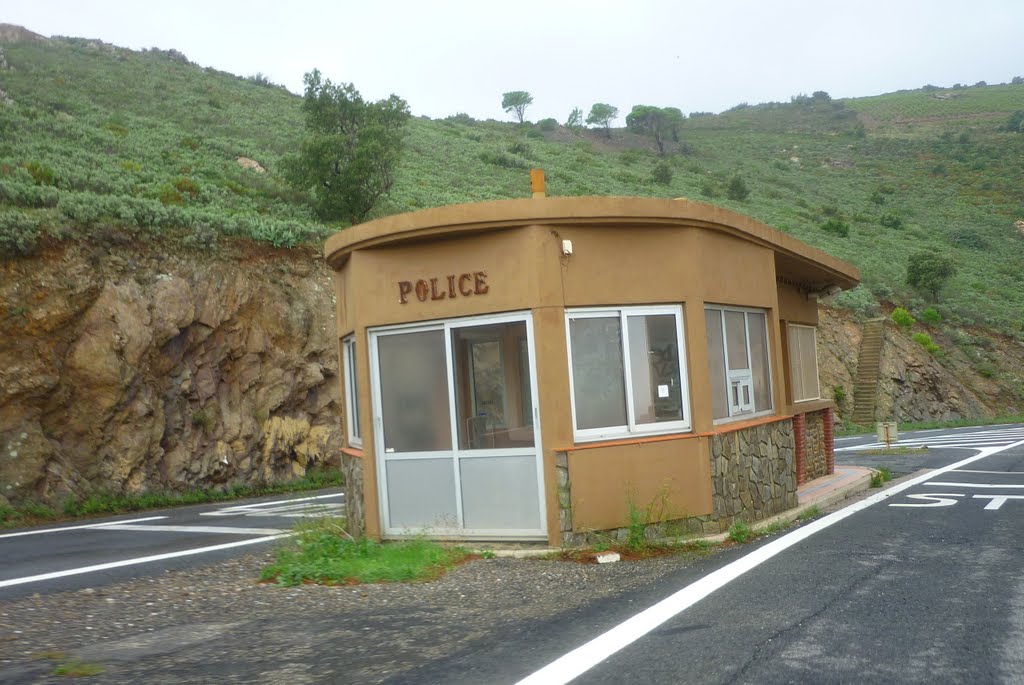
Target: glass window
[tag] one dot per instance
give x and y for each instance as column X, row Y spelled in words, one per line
column 355, row 434
column 627, row 371
column 491, row 379
column 803, row 362
column 738, row 361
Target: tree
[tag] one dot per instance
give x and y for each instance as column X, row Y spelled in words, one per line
column 575, row 120
column 603, row 114
column 737, row 189
column 929, row 271
column 658, row 122
column 517, row 101
column 1015, row 124
column 350, row 151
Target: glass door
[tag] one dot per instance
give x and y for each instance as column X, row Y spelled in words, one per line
column 457, row 429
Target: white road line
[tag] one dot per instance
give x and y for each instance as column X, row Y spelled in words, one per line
column 137, row 560
column 974, row 485
column 243, row 508
column 1001, row 473
column 585, row 657
column 91, row 525
column 223, row 530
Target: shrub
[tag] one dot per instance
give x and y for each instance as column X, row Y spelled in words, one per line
column 930, row 315
column 877, row 197
column 737, row 189
column 708, row 189
column 925, row 341
column 521, row 148
column 19, row 234
column 21, row 195
column 548, row 124
column 84, row 209
column 41, row 173
column 839, row 394
column 902, row 318
column 504, row 159
column 891, row 220
column 860, row 301
column 169, row 195
column 837, row 227
column 186, row 186
column 662, row 173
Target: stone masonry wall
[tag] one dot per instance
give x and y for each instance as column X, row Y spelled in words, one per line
column 815, row 460
column 753, row 472
column 355, row 514
column 753, row 477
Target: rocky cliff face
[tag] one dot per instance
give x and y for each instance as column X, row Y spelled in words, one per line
column 153, row 368
column 976, row 374
column 150, row 369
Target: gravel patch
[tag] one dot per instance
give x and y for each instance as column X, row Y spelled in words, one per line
column 216, row 624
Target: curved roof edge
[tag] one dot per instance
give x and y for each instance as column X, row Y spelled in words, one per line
column 591, row 210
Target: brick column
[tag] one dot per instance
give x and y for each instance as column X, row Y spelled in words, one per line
column 830, row 441
column 800, row 447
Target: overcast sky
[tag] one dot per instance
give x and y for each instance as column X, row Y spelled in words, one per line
column 454, row 56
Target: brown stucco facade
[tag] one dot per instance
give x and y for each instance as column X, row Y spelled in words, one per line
column 458, row 262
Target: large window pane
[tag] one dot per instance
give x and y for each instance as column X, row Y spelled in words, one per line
column 599, row 390
column 490, row 379
column 716, row 364
column 736, row 340
column 654, row 367
column 758, row 334
column 414, row 392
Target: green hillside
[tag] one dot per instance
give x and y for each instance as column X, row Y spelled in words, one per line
column 103, row 144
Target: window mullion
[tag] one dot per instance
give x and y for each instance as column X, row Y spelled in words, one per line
column 627, row 372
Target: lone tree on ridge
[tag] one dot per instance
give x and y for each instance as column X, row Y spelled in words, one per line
column 516, row 101
column 603, row 114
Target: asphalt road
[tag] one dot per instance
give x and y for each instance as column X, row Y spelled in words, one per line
column 98, row 551
column 918, row 583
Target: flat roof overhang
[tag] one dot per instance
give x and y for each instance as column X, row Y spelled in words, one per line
column 796, row 262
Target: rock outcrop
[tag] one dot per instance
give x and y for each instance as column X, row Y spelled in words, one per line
column 144, row 370
column 915, row 385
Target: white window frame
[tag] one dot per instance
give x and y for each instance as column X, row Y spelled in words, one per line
column 353, row 430
column 631, row 428
column 793, row 364
column 743, row 376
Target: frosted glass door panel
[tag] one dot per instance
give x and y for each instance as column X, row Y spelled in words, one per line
column 414, row 392
column 500, row 493
column 421, row 493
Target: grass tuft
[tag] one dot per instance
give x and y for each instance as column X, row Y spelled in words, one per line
column 881, row 476
column 322, row 552
column 740, row 532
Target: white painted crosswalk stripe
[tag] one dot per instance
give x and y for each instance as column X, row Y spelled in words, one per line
column 996, row 437
column 290, row 508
